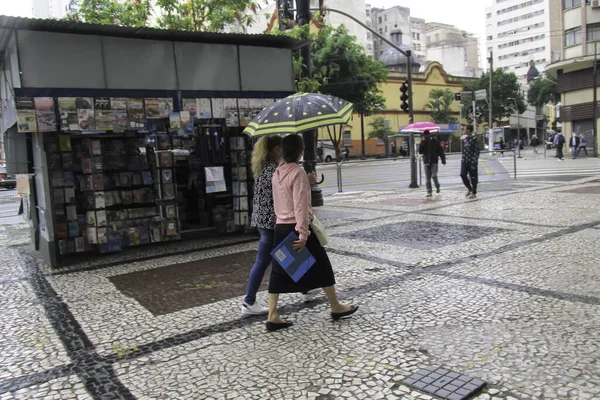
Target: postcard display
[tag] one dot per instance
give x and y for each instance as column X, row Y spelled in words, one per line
column 121, row 169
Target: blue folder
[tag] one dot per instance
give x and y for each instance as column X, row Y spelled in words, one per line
column 295, row 263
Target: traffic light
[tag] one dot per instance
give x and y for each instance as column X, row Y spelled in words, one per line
column 404, row 97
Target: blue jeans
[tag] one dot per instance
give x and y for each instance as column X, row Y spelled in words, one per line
column 263, row 260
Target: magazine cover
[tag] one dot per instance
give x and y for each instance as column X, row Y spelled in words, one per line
column 59, row 196
column 137, row 179
column 144, row 236
column 152, row 108
column 91, row 235
column 102, row 104
column 24, row 103
column 101, row 218
column 186, row 121
column 113, row 244
column 168, row 191
column 70, row 195
column 167, row 175
column 103, row 120
column 90, row 218
column 62, row 247
column 58, row 178
column 87, row 183
column 99, row 200
column 127, row 197
column 109, row 199
column 72, row 213
column 231, row 113
column 44, row 111
column 164, row 142
column 26, row 121
column 64, row 142
column 86, row 119
column 171, row 226
column 165, row 106
column 138, row 196
column 190, row 105
column 147, row 178
column 119, row 120
column 54, row 161
column 79, row 244
column 166, row 159
column 204, row 108
column 68, row 178
column 68, row 114
column 101, row 232
column 96, row 147
column 67, row 160
column 84, row 103
column 73, row 227
column 96, row 164
column 175, row 120
column 98, row 181
column 118, row 103
column 245, row 111
column 86, row 164
column 135, row 113
column 218, row 108
column 126, row 179
column 171, row 211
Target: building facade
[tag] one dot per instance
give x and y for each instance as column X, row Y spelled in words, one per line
column 517, row 32
column 55, row 9
column 576, row 54
column 455, row 49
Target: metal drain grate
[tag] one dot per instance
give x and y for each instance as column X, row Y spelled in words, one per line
column 444, row 384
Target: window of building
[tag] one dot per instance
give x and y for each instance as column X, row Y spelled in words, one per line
column 380, row 31
column 385, row 17
column 490, row 37
column 573, row 37
column 437, row 37
column 414, row 35
column 571, row 3
column 385, row 30
column 379, row 19
column 418, row 36
column 593, row 33
column 489, row 15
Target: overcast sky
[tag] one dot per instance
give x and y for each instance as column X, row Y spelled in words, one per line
column 16, row 8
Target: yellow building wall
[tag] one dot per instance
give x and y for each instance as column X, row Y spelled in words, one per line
column 433, row 78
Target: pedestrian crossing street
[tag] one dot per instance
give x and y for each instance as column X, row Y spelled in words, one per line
column 552, row 167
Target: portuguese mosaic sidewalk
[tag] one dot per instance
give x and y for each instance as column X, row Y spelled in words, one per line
column 504, row 289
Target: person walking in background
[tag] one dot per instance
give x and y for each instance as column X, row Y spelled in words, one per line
column 265, row 159
column 292, row 202
column 535, row 142
column 431, row 150
column 582, row 145
column 559, row 142
column 574, row 145
column 346, row 153
column 469, row 161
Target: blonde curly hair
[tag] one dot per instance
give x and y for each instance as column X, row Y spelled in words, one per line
column 262, row 152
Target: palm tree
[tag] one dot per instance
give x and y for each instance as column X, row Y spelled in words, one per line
column 439, row 104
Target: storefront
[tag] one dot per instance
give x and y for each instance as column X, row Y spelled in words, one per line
column 133, row 136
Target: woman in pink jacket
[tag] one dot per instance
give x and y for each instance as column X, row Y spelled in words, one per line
column 291, row 197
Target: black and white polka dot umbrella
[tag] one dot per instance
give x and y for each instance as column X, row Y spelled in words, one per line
column 300, row 112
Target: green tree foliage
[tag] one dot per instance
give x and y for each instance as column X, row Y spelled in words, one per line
column 506, row 86
column 378, row 129
column 542, row 92
column 187, row 15
column 439, row 104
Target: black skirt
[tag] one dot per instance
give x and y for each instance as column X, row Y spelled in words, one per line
column 318, row 276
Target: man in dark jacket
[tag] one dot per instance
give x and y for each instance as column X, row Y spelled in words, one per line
column 469, row 161
column 431, row 150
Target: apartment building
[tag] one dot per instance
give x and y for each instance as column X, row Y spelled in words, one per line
column 518, row 32
column 387, row 20
column 55, row 9
column 455, row 49
column 577, row 24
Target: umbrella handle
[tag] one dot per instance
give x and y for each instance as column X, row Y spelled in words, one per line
column 322, row 179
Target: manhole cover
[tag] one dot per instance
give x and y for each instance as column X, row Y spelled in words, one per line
column 444, row 384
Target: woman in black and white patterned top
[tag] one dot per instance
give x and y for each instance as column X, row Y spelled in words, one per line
column 265, row 160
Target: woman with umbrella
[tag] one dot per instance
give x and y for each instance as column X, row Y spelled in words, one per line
column 292, row 202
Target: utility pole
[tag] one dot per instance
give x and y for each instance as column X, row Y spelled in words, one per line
column 595, row 105
column 491, row 105
column 309, row 137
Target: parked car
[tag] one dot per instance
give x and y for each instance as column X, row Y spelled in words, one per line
column 325, row 151
column 7, row 181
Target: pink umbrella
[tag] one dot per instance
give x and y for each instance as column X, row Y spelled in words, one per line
column 420, row 127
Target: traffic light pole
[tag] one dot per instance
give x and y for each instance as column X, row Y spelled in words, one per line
column 408, row 54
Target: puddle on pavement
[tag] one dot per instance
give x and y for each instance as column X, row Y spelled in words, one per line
column 178, row 287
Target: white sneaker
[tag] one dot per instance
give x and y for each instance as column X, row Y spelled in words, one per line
column 254, row 309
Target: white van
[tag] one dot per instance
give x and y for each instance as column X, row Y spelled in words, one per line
column 328, row 151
